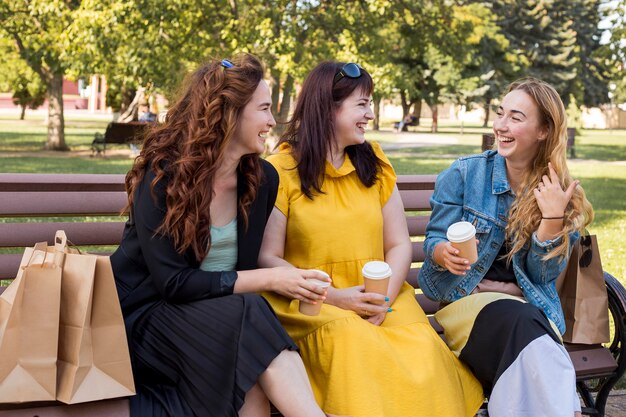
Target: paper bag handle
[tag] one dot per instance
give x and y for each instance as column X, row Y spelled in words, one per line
column 60, row 245
column 39, row 247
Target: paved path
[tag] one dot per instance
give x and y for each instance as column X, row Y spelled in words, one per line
column 616, row 406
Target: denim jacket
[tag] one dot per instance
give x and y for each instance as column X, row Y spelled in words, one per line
column 476, row 189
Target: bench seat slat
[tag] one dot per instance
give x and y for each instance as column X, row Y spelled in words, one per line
column 594, row 361
column 79, row 233
column 105, row 408
column 61, row 203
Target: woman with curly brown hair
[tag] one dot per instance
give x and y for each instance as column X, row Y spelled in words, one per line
column 199, row 197
column 504, row 316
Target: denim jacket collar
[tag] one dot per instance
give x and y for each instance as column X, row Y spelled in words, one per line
column 499, row 180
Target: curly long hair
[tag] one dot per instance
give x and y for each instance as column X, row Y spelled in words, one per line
column 524, row 215
column 188, row 147
column 311, row 130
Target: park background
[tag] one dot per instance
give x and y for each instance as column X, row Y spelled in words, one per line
column 437, row 60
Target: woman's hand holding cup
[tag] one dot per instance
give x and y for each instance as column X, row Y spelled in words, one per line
column 365, row 304
column 448, row 257
column 460, row 251
column 294, row 283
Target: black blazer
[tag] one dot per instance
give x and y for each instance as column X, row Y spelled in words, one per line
column 147, row 268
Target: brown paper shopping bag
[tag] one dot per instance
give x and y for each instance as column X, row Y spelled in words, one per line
column 94, row 362
column 29, row 327
column 583, row 295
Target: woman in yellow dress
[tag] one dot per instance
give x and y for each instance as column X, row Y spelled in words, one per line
column 338, row 208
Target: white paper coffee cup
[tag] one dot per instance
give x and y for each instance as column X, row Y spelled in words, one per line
column 314, row 309
column 462, row 235
column 376, row 275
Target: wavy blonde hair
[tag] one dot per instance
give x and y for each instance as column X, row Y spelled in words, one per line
column 524, row 215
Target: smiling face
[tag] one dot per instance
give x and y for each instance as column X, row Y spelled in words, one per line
column 351, row 119
column 518, row 128
column 255, row 122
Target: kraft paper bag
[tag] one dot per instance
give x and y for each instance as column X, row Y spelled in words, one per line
column 29, row 328
column 583, row 295
column 93, row 361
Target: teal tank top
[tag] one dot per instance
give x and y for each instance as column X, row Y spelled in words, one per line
column 223, row 253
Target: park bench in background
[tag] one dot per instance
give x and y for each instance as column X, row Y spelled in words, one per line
column 118, row 133
column 60, row 198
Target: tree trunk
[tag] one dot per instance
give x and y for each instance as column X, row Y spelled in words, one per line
column 406, row 105
column 56, row 123
column 487, row 107
column 285, row 104
column 23, row 111
column 275, row 90
column 377, row 100
column 435, row 110
column 417, row 111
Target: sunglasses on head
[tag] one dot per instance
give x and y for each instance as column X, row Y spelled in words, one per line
column 226, row 63
column 350, row 70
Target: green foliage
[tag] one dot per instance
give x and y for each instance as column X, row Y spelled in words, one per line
column 614, row 51
column 27, row 87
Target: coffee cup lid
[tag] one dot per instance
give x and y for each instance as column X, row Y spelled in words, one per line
column 461, row 231
column 376, row 270
column 323, row 284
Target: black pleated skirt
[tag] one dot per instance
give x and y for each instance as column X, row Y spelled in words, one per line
column 200, row 359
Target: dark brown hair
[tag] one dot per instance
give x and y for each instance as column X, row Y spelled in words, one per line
column 311, row 130
column 187, row 148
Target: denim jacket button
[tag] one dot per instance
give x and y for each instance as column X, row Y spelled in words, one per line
column 479, row 268
column 462, row 291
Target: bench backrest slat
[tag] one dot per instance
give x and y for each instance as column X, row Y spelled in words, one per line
column 61, row 182
column 61, row 203
column 80, row 233
column 417, row 225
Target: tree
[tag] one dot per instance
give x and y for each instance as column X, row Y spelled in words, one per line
column 28, row 90
column 493, row 61
column 39, row 30
column 614, row 51
column 591, row 84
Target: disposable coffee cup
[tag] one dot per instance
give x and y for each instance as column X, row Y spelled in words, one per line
column 314, row 309
column 462, row 235
column 376, row 275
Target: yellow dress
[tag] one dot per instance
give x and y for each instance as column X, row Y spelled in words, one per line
column 399, row 369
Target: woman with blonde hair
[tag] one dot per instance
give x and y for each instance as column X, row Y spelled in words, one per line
column 201, row 342
column 504, row 317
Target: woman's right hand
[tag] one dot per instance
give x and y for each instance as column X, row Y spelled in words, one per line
column 446, row 256
column 365, row 304
column 292, row 283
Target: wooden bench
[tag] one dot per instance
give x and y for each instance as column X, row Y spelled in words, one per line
column 118, row 133
column 55, row 200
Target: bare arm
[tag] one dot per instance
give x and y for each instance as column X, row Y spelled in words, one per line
column 273, row 251
column 282, row 277
column 397, row 244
